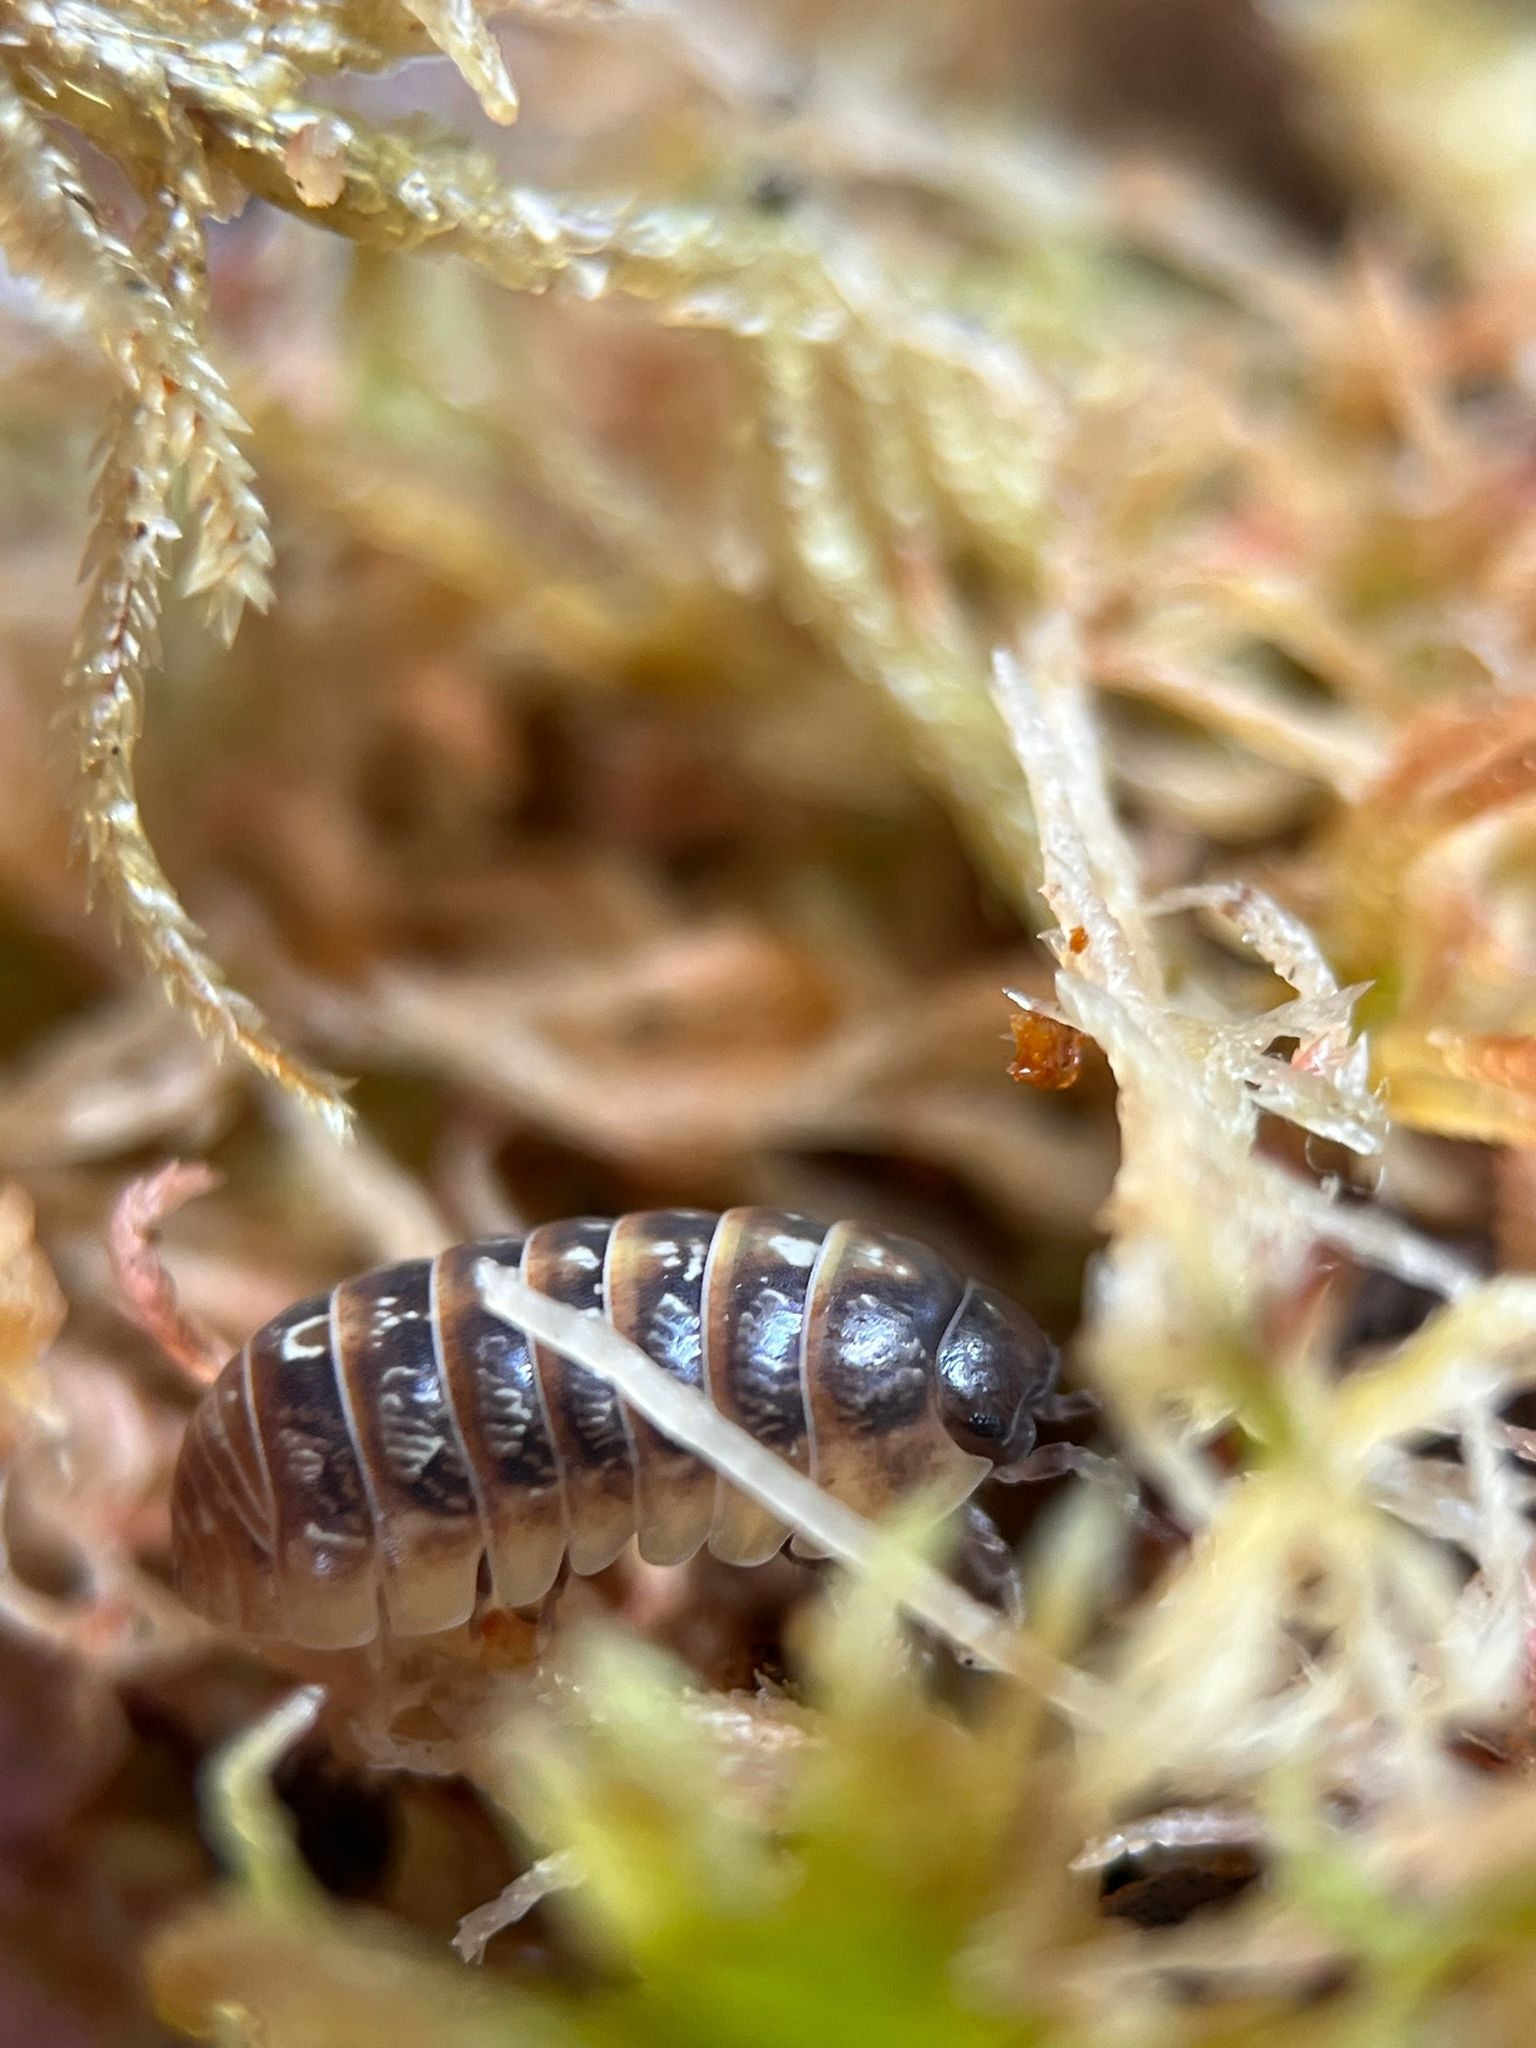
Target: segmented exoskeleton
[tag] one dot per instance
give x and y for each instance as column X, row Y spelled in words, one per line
column 382, row 1457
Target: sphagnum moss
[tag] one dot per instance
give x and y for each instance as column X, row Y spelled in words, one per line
column 1230, row 541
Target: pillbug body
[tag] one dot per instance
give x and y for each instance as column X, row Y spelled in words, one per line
column 380, row 1458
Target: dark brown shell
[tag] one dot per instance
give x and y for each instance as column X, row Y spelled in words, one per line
column 370, row 1457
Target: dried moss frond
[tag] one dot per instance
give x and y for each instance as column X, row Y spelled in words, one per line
column 174, row 426
column 50, row 227
column 569, row 807
column 933, row 401
column 174, row 438
column 904, row 424
column 1200, row 1312
column 458, row 28
column 870, row 577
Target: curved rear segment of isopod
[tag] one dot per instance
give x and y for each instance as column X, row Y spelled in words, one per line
column 221, row 1512
column 219, row 1554
column 272, row 1529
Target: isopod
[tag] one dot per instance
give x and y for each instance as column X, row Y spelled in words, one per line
column 382, row 1458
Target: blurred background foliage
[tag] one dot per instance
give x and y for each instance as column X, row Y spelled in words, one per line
column 558, row 568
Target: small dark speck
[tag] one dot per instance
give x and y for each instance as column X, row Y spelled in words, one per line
column 776, row 191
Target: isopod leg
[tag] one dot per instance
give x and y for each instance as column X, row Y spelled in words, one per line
column 1056, row 1461
column 986, row 1566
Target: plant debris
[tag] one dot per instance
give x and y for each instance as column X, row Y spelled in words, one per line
column 634, row 633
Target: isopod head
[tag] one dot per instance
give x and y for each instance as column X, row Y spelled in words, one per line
column 995, row 1365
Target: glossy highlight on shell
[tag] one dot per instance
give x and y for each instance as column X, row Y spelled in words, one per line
column 383, row 1458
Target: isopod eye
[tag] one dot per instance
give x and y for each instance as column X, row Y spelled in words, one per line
column 994, row 1363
